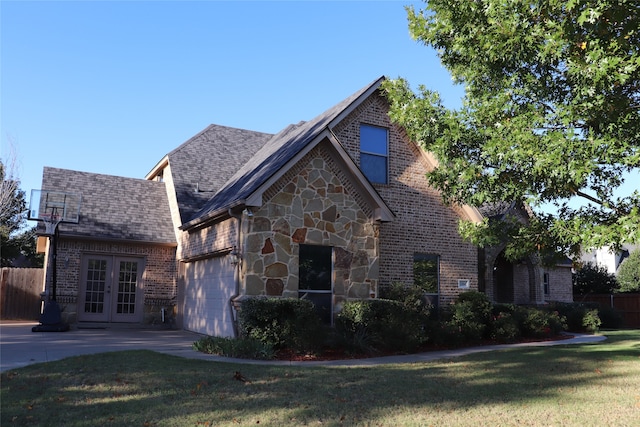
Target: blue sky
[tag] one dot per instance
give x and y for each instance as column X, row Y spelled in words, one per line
column 111, row 87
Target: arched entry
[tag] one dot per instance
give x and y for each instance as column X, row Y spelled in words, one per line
column 503, row 280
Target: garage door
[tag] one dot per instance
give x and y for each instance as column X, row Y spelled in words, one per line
column 209, row 286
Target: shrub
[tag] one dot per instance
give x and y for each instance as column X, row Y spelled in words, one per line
column 471, row 313
column 611, row 318
column 505, row 327
column 282, row 323
column 592, row 278
column 246, row 348
column 591, row 321
column 379, row 324
column 574, row 313
column 411, row 296
column 444, row 333
column 629, row 273
column 538, row 323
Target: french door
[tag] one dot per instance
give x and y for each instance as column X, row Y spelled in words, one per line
column 111, row 289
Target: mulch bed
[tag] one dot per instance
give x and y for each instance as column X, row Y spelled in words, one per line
column 342, row 354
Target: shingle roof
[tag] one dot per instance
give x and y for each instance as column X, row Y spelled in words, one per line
column 207, row 161
column 495, row 210
column 115, row 207
column 274, row 155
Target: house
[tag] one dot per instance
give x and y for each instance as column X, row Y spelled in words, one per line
column 607, row 258
column 330, row 209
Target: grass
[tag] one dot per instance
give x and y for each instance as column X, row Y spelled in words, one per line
column 566, row 385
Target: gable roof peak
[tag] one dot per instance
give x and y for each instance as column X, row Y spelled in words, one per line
column 276, row 154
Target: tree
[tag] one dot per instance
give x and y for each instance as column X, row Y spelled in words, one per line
column 551, row 116
column 594, row 278
column 12, row 201
column 14, row 243
column 629, row 273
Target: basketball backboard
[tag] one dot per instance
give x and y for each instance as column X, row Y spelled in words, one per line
column 46, row 205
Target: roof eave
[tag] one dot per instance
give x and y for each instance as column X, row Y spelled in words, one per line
column 381, row 211
column 157, row 168
column 367, row 93
column 213, row 216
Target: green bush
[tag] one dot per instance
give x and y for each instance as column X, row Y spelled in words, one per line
column 505, row 327
column 379, row 324
column 629, row 273
column 574, row 313
column 611, row 318
column 246, row 348
column 592, row 278
column 471, row 313
column 591, row 321
column 538, row 323
column 411, row 296
column 444, row 333
column 282, row 323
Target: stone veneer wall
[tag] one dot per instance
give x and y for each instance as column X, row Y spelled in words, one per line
column 159, row 280
column 315, row 204
column 423, row 224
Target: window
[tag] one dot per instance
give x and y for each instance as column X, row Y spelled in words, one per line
column 426, row 272
column 315, row 278
column 545, row 282
column 374, row 153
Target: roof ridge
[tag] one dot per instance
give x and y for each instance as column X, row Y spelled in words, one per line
column 205, row 130
column 275, row 153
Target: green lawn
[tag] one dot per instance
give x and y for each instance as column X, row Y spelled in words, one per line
column 577, row 385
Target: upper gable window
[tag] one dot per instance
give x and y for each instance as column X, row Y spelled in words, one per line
column 374, row 153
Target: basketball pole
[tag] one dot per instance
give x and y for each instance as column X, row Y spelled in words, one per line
column 51, row 317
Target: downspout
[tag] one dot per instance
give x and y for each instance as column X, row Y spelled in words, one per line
column 236, row 273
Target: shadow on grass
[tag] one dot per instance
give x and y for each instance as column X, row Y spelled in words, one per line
column 147, row 388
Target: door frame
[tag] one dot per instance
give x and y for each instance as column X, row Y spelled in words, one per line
column 312, row 293
column 110, row 315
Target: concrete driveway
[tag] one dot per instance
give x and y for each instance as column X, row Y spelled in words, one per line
column 20, row 347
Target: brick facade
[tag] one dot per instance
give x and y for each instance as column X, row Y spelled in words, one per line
column 158, row 281
column 320, row 199
column 560, row 284
column 423, row 224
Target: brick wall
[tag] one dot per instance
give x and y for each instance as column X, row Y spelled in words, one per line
column 159, row 279
column 213, row 239
column 560, row 284
column 423, row 224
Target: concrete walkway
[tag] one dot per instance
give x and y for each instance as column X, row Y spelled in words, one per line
column 19, row 346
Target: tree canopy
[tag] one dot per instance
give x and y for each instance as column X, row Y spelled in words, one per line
column 629, row 273
column 15, row 243
column 12, row 202
column 550, row 117
column 594, row 278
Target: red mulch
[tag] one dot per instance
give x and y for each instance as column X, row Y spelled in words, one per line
column 342, row 354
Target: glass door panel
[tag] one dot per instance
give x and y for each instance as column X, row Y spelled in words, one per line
column 95, row 298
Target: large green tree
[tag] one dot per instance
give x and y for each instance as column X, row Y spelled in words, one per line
column 550, row 117
column 629, row 273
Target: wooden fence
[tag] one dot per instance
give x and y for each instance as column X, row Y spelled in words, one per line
column 627, row 304
column 20, row 290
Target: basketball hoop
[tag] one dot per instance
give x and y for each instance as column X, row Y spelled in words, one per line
column 51, row 221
